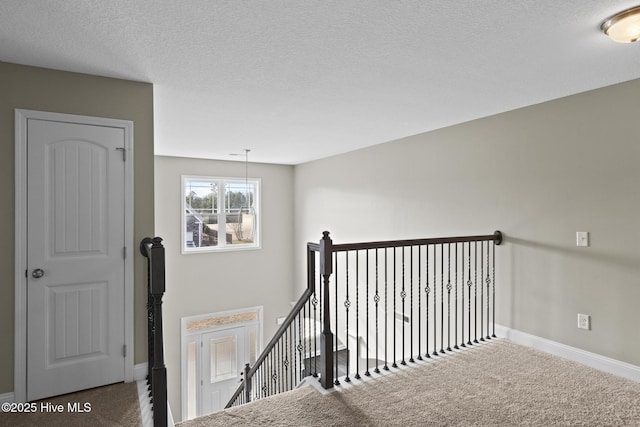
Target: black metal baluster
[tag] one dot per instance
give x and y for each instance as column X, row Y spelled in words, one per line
column 357, row 375
column 411, row 304
column 449, row 287
column 284, row 377
column 299, row 348
column 336, row 381
column 376, row 299
column 386, row 320
column 280, row 367
column 488, row 281
column 314, row 302
column 395, row 340
column 475, row 292
column 305, row 331
column 455, row 334
column 265, row 372
column 304, row 359
column 419, row 357
column 322, row 314
column 276, row 368
column 462, row 284
column 286, row 360
column 295, row 368
column 265, row 386
column 435, row 297
column 347, row 304
column 494, row 290
column 441, row 299
column 469, row 284
column 482, row 290
column 427, row 290
column 268, row 375
column 403, row 295
column 274, row 374
column 366, row 372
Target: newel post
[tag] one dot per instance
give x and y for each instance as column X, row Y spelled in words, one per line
column 326, row 339
column 247, row 383
column 159, row 370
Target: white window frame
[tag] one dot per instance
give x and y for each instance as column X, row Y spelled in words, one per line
column 222, row 246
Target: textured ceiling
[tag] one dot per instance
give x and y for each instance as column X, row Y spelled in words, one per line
column 297, row 80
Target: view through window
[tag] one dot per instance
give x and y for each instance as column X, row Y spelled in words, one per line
column 220, row 213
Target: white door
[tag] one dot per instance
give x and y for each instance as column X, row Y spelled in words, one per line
column 75, row 257
column 224, row 354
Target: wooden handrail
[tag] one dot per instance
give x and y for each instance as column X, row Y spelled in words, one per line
column 495, row 237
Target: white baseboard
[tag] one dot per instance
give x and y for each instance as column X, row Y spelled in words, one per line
column 593, row 360
column 7, row 398
column 140, row 371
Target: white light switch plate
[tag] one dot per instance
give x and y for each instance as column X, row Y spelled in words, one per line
column 582, row 238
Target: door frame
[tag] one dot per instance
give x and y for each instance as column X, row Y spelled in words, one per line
column 20, row 212
column 185, row 339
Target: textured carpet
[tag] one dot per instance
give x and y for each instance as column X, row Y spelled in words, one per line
column 499, row 383
column 112, row 405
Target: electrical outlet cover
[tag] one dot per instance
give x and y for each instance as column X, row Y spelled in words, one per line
column 584, row 321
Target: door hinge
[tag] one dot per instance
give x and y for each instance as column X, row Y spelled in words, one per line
column 124, row 153
column 124, row 252
column 124, row 350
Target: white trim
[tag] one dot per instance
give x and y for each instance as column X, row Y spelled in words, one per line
column 146, row 411
column 20, row 351
column 222, row 246
column 184, row 340
column 593, row 360
column 140, row 371
column 7, row 398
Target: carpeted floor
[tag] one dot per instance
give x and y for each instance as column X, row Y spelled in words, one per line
column 499, row 383
column 112, row 405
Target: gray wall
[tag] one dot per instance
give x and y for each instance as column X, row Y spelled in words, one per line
column 212, row 282
column 61, row 92
column 539, row 174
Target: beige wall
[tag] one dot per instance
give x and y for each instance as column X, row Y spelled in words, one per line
column 211, row 282
column 48, row 90
column 539, row 174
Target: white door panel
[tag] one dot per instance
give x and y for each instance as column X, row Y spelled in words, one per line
column 223, row 362
column 75, row 222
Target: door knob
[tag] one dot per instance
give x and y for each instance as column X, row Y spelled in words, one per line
column 37, row 273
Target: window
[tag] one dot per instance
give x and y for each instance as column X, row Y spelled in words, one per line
column 220, row 213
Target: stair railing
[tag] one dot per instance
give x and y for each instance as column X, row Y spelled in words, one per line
column 283, row 363
column 401, row 301
column 153, row 250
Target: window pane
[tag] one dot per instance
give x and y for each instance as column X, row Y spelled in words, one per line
column 201, row 196
column 201, row 208
column 253, row 346
column 223, row 358
column 191, row 380
column 240, row 213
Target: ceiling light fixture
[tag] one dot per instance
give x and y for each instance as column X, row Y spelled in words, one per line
column 623, row 27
